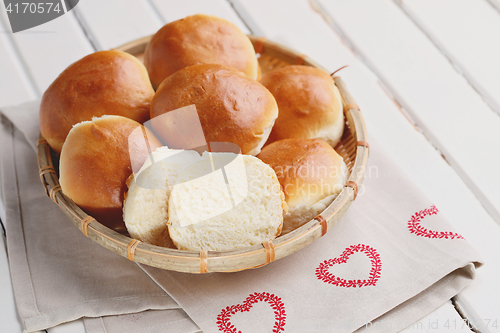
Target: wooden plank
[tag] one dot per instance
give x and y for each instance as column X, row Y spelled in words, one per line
column 429, row 88
column 300, row 28
column 48, row 49
column 440, row 100
column 465, row 38
column 115, row 22
column 172, row 10
column 15, row 85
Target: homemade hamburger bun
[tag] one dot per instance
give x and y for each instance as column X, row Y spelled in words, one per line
column 96, row 161
column 230, row 106
column 311, row 174
column 198, row 39
column 310, row 105
column 102, row 83
column 238, row 204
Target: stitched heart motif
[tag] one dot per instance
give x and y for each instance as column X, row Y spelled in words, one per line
column 417, row 229
column 223, row 319
column 324, row 275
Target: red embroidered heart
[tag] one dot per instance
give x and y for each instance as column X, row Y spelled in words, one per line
column 225, row 325
column 417, row 229
column 323, row 274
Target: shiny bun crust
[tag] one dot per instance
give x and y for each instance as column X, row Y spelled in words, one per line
column 310, row 105
column 198, row 39
column 96, row 162
column 231, row 107
column 102, row 83
column 311, row 174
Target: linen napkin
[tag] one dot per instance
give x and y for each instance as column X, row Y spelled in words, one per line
column 153, row 321
column 388, row 262
column 57, row 274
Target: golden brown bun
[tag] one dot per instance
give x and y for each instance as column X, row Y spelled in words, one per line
column 102, row 83
column 231, row 107
column 311, row 174
column 198, row 39
column 310, row 105
column 96, row 162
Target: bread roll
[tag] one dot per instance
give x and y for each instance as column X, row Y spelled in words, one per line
column 237, row 205
column 102, row 83
column 198, row 39
column 230, row 106
column 310, row 105
column 96, row 161
column 217, row 201
column 145, row 207
column 311, row 174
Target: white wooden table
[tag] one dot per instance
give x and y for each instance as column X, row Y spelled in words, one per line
column 426, row 74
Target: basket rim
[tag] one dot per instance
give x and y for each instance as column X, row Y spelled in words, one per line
column 260, row 255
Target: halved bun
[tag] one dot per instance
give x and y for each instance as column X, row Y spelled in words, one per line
column 237, row 205
column 145, row 210
column 217, row 201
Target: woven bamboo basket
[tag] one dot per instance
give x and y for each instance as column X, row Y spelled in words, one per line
column 353, row 148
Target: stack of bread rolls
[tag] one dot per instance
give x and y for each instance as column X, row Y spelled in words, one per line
column 189, row 150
